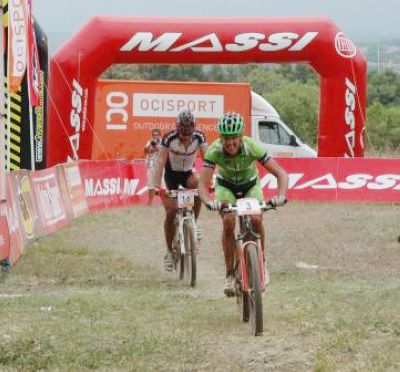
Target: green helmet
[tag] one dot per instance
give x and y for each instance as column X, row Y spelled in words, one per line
column 231, row 125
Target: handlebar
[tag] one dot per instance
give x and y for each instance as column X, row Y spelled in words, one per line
column 173, row 193
column 264, row 206
column 252, row 209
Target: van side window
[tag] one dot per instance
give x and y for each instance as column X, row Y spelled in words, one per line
column 272, row 133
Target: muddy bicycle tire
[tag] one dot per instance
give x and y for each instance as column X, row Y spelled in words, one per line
column 189, row 260
column 254, row 295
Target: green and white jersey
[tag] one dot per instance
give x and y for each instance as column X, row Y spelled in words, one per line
column 239, row 168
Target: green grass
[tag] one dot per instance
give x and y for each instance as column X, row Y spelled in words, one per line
column 94, row 297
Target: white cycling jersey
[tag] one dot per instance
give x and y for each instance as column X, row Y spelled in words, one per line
column 181, row 158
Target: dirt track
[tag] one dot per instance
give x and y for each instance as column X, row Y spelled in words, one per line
column 333, row 303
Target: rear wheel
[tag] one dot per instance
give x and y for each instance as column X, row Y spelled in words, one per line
column 190, row 267
column 254, row 294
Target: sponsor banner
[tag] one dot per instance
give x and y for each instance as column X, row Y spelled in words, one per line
column 75, row 189
column 4, row 238
column 33, row 61
column 62, row 184
column 375, row 180
column 106, row 186
column 130, row 174
column 127, row 112
column 40, row 111
column 339, row 179
column 51, row 210
column 18, row 42
column 309, row 179
column 15, row 228
column 23, row 199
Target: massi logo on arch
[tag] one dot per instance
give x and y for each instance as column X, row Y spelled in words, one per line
column 344, row 46
column 172, row 42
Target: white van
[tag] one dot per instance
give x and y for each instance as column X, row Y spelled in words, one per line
column 268, row 128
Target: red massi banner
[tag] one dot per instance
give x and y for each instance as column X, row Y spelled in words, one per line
column 113, row 183
column 316, row 179
column 338, row 179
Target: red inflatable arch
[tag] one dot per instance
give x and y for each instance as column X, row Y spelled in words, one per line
column 108, row 40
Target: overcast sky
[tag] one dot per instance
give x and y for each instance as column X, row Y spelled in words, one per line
column 361, row 20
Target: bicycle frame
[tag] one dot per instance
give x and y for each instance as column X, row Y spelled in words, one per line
column 182, row 215
column 246, row 237
column 185, row 235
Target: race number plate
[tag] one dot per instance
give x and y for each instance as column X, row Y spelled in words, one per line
column 185, row 199
column 246, row 206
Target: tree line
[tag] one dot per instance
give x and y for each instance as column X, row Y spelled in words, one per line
column 293, row 90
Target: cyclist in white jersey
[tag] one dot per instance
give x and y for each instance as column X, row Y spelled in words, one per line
column 177, row 157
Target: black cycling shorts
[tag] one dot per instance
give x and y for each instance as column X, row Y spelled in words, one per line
column 175, row 179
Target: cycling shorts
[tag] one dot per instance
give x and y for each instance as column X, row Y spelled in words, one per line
column 175, row 179
column 230, row 193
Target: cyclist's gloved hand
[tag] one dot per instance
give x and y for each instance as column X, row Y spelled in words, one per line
column 214, row 205
column 159, row 191
column 278, row 200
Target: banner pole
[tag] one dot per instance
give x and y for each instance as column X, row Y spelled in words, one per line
column 2, row 115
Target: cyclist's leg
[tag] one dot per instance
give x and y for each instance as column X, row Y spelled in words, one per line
column 169, row 221
column 256, row 192
column 223, row 194
column 257, row 222
column 171, row 181
column 192, row 182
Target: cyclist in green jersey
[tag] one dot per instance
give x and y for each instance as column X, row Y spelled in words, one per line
column 234, row 156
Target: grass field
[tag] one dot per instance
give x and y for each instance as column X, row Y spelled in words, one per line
column 94, row 296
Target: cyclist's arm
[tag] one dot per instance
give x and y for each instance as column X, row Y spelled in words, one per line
column 274, row 168
column 203, row 150
column 159, row 167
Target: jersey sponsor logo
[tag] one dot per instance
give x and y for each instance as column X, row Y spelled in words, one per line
column 170, row 42
column 344, row 46
column 328, row 181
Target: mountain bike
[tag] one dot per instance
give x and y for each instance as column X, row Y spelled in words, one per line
column 249, row 262
column 184, row 243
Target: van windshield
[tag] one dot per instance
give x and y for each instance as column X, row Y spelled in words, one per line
column 272, row 133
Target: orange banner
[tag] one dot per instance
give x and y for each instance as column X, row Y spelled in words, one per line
column 127, row 111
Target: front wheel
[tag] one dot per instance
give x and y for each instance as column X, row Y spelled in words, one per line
column 190, row 267
column 254, row 294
